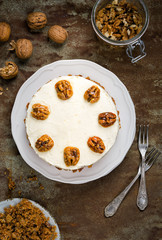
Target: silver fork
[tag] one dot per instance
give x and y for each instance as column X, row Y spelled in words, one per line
column 142, row 199
column 113, row 206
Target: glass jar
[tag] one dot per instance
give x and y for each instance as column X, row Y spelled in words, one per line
column 132, row 43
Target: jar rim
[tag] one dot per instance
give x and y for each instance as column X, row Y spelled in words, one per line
column 117, row 42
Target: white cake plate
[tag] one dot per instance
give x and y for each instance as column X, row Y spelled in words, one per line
column 112, row 85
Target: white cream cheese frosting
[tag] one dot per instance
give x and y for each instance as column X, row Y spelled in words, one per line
column 71, row 122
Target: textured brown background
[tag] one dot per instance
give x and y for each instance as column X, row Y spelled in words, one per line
column 78, row 209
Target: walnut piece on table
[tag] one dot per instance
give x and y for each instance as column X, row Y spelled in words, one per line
column 57, row 34
column 64, row 89
column 106, row 119
column 96, row 144
column 9, row 71
column 40, row 111
column 92, row 94
column 22, row 47
column 5, row 31
column 71, row 156
column 36, row 20
column 44, row 143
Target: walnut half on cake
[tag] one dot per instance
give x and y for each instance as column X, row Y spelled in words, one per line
column 78, row 115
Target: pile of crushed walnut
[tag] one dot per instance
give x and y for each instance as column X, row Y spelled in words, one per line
column 25, row 221
column 119, row 20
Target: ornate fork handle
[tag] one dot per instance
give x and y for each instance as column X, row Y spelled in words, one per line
column 142, row 199
column 113, row 206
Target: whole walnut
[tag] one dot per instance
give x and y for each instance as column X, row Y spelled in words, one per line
column 9, row 71
column 5, row 31
column 57, row 34
column 36, row 20
column 23, row 48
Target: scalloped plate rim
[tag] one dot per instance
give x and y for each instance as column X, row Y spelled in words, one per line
column 99, row 69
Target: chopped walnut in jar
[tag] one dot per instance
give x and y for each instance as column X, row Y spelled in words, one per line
column 44, row 143
column 64, row 89
column 106, row 119
column 96, row 144
column 119, row 20
column 71, row 156
column 40, row 111
column 92, row 95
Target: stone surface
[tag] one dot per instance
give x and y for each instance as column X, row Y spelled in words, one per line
column 79, row 209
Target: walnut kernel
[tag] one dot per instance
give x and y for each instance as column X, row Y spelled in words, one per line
column 9, row 71
column 57, row 34
column 5, row 31
column 106, row 119
column 64, row 89
column 44, row 143
column 71, row 156
column 36, row 20
column 119, row 20
column 92, row 95
column 96, row 144
column 40, row 111
column 23, row 48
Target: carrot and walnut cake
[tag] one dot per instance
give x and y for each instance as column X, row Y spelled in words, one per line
column 71, row 122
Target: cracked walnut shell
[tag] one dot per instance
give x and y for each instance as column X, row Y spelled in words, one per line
column 71, row 156
column 39, row 111
column 36, row 20
column 106, row 119
column 23, row 48
column 64, row 89
column 5, row 31
column 9, row 71
column 57, row 34
column 92, row 95
column 44, row 143
column 96, row 144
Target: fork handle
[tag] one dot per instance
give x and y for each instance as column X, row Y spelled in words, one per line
column 113, row 206
column 142, row 199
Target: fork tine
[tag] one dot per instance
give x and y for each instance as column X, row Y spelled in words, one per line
column 144, row 134
column 139, row 137
column 149, row 154
column 147, row 134
column 154, row 158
